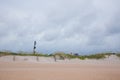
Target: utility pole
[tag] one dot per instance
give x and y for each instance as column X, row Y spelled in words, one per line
column 34, row 47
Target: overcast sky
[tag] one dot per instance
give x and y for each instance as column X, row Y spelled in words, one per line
column 80, row 26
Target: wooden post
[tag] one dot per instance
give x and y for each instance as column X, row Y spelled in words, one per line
column 37, row 58
column 54, row 58
column 13, row 57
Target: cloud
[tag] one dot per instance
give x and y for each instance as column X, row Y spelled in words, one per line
column 81, row 26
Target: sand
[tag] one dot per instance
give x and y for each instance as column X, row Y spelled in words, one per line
column 47, row 69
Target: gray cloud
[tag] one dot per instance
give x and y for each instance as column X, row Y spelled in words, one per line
column 81, row 26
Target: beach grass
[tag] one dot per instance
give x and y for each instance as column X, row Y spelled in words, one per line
column 61, row 54
column 118, row 55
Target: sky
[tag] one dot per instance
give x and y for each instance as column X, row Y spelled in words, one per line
column 78, row 26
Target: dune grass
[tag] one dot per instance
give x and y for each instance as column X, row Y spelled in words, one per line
column 62, row 55
column 22, row 54
column 118, row 55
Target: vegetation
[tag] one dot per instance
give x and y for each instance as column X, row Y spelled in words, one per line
column 6, row 53
column 95, row 56
column 118, row 54
column 23, row 54
column 62, row 55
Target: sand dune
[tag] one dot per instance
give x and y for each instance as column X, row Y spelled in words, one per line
column 27, row 68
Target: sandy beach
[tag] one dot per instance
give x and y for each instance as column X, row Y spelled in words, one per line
column 46, row 69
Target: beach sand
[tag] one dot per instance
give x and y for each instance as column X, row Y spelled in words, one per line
column 47, row 69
